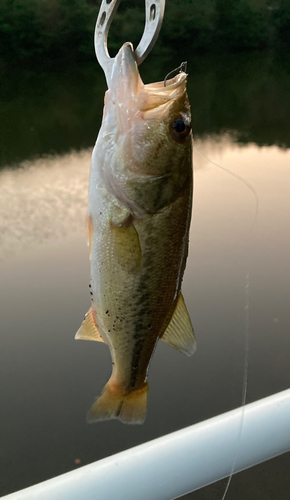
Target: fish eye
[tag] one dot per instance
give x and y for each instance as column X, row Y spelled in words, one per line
column 179, row 129
column 178, row 125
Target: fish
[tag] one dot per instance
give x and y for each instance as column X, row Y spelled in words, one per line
column 139, row 211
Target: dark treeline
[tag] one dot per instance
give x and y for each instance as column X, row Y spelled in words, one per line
column 54, row 30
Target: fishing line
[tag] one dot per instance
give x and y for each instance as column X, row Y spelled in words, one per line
column 182, row 67
column 245, row 380
column 247, row 322
column 240, row 178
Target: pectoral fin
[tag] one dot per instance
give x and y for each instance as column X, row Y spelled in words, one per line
column 126, row 243
column 179, row 333
column 88, row 329
column 90, row 233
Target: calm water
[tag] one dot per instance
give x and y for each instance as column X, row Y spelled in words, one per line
column 239, row 252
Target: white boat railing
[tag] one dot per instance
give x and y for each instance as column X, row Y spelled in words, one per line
column 180, row 462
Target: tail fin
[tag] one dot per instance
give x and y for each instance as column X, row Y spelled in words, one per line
column 129, row 408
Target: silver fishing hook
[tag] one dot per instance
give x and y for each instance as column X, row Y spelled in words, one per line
column 154, row 13
column 181, row 68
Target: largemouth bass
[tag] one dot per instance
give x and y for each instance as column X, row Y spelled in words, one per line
column 140, row 200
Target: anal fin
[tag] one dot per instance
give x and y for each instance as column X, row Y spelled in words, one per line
column 179, row 333
column 88, row 329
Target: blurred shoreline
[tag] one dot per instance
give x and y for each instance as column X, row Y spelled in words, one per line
column 246, row 96
column 45, row 33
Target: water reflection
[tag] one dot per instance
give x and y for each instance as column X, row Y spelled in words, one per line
column 48, row 381
column 43, row 200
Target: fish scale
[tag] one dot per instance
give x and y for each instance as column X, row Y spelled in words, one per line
column 140, row 199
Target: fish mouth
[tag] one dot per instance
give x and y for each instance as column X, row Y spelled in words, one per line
column 168, row 86
column 127, row 85
column 156, row 95
column 126, row 81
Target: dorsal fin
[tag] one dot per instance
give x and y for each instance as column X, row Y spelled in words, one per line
column 179, row 333
column 88, row 329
